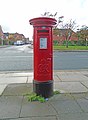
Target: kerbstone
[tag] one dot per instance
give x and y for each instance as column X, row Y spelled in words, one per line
column 22, row 74
column 17, row 74
column 30, row 79
column 9, row 80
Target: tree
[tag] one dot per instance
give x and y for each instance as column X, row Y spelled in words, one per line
column 70, row 26
column 55, row 15
column 83, row 32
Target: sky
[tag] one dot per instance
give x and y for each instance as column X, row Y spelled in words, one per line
column 15, row 14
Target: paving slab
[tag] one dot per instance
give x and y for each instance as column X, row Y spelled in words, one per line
column 73, row 77
column 70, row 87
column 85, row 83
column 36, row 109
column 2, row 87
column 66, row 106
column 9, row 80
column 61, row 97
column 83, row 104
column 86, row 96
column 18, row 89
column 10, row 106
column 73, row 116
column 45, row 118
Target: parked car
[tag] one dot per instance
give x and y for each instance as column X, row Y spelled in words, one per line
column 19, row 42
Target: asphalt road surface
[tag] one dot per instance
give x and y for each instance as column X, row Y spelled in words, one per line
column 70, row 60
column 16, row 58
column 20, row 58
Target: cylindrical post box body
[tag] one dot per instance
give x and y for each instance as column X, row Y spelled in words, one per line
column 43, row 55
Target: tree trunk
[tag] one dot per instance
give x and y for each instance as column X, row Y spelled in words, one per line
column 66, row 43
column 86, row 42
column 2, row 42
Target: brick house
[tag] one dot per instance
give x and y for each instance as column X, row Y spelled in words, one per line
column 1, row 35
column 6, row 38
column 14, row 36
column 60, row 35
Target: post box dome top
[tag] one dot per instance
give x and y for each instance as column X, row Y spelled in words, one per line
column 43, row 21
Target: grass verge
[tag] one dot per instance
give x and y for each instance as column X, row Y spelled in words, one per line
column 71, row 48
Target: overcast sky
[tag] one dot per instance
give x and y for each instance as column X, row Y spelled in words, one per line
column 15, row 14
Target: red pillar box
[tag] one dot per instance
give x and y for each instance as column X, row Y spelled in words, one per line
column 43, row 55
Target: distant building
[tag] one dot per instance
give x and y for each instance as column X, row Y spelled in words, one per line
column 13, row 37
column 10, row 38
column 60, row 35
column 1, row 35
column 6, row 35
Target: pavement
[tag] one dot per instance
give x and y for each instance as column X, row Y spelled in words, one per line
column 70, row 104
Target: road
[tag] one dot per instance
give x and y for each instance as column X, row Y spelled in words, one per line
column 20, row 58
column 70, row 60
column 16, row 58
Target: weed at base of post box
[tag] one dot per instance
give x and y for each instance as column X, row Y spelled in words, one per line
column 56, row 92
column 34, row 97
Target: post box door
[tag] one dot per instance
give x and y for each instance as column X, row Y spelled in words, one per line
column 43, row 58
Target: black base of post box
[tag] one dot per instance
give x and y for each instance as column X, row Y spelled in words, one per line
column 44, row 89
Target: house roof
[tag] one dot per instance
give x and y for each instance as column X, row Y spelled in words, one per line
column 6, row 34
column 63, row 31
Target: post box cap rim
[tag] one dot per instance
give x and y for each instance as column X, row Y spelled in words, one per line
column 43, row 21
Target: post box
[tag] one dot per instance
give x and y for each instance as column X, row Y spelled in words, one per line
column 43, row 55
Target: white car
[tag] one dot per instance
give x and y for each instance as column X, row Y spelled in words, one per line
column 19, row 42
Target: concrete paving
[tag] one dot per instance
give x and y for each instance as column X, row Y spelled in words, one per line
column 70, row 104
